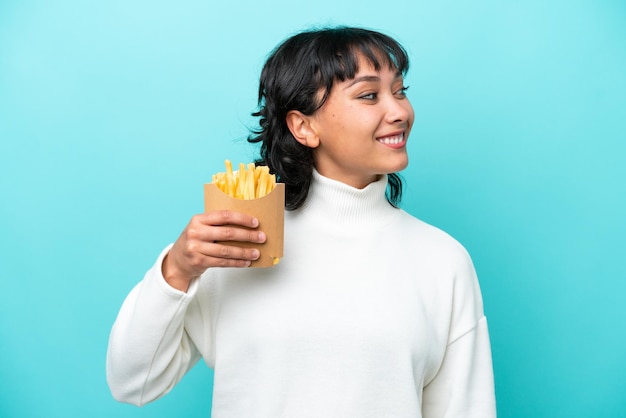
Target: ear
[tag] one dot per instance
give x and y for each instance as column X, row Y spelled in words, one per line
column 300, row 126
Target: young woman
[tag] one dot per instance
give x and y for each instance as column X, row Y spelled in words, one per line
column 371, row 312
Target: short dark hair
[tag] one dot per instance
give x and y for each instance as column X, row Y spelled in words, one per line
column 292, row 77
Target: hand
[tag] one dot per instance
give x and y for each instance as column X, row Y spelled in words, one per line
column 197, row 248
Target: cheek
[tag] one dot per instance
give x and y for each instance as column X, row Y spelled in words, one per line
column 410, row 112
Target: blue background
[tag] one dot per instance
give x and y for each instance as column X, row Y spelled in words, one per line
column 113, row 114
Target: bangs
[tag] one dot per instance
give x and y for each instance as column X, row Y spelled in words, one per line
column 339, row 50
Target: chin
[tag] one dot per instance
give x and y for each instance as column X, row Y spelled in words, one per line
column 401, row 165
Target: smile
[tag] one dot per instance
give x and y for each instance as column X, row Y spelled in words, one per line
column 393, row 140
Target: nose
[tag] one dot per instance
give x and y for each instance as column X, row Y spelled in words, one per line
column 399, row 110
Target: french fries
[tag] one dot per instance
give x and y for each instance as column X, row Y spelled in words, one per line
column 240, row 191
column 246, row 183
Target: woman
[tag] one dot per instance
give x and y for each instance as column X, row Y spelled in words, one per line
column 371, row 312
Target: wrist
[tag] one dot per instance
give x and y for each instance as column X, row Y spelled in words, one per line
column 173, row 276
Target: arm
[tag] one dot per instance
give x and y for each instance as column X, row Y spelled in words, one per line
column 463, row 387
column 149, row 348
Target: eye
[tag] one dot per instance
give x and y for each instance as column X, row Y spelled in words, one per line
column 402, row 91
column 369, row 96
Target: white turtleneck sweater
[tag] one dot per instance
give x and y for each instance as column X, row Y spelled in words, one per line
column 370, row 313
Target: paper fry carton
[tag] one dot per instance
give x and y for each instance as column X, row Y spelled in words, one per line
column 269, row 210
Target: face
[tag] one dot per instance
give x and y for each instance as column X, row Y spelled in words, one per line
column 362, row 129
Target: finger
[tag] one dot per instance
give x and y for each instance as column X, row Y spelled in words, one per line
column 205, row 233
column 227, row 262
column 218, row 255
column 208, row 262
column 230, row 252
column 202, row 255
column 229, row 233
column 228, row 217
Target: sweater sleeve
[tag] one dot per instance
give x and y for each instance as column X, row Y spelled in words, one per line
column 464, row 386
column 149, row 349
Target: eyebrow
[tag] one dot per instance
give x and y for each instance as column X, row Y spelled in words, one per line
column 369, row 78
column 363, row 79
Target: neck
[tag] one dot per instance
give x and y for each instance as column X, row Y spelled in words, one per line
column 339, row 206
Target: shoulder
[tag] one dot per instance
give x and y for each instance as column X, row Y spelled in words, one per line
column 416, row 232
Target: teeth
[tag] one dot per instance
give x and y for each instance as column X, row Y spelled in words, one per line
column 392, row 139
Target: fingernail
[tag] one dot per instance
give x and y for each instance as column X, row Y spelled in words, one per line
column 255, row 222
column 255, row 254
column 262, row 236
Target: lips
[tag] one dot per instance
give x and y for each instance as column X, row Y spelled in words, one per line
column 393, row 141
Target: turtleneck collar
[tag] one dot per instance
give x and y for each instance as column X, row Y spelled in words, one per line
column 338, row 205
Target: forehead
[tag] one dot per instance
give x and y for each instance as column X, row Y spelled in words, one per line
column 366, row 65
column 365, row 58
